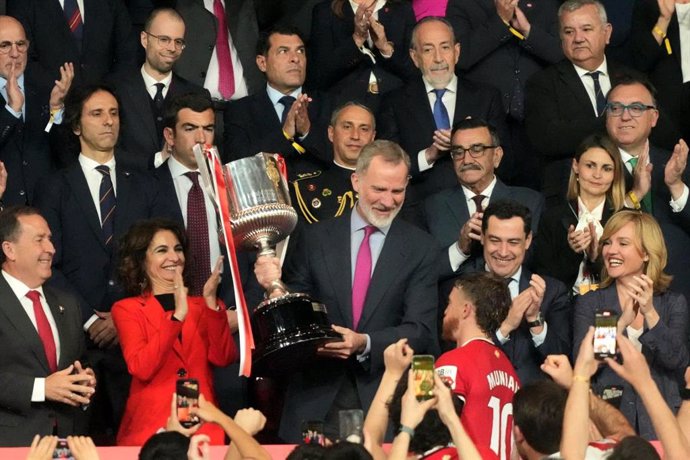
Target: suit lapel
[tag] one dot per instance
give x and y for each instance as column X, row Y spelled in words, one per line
column 82, row 196
column 418, row 99
column 572, row 81
column 457, row 205
column 266, row 112
column 58, row 311
column 336, row 249
column 140, row 98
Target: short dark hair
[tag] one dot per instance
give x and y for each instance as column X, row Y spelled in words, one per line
column 634, row 448
column 132, row 252
column 431, row 431
column 336, row 113
column 507, row 209
column 168, row 445
column 77, row 97
column 158, row 11
column 307, row 452
column 635, row 78
column 538, row 409
column 474, row 123
column 264, row 42
column 10, row 226
column 197, row 102
column 490, row 296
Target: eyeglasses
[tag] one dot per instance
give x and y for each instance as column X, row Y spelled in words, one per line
column 164, row 40
column 6, row 46
column 457, row 152
column 636, row 109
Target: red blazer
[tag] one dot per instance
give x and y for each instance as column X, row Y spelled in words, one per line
column 154, row 354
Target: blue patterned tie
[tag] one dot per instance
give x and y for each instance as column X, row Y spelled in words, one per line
column 598, row 93
column 440, row 113
column 106, row 196
column 74, row 21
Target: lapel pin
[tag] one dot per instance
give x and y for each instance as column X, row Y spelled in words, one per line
column 61, row 309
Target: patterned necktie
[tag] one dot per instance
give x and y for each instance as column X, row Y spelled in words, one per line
column 440, row 113
column 362, row 276
column 197, row 232
column 598, row 94
column 73, row 16
column 226, row 74
column 478, row 200
column 287, row 102
column 646, row 201
column 44, row 331
column 106, row 197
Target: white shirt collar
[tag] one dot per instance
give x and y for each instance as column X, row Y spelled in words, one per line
column 149, row 81
column 603, row 68
column 89, row 164
column 452, row 85
column 177, row 169
column 19, row 288
column 469, row 194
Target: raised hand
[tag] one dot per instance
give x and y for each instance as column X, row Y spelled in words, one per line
column 57, row 95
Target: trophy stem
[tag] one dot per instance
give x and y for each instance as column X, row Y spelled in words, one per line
column 265, row 248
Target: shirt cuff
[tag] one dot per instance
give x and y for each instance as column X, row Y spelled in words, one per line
column 679, row 204
column 538, row 339
column 57, row 117
column 421, row 161
column 12, row 111
column 365, row 354
column 501, row 338
column 39, row 392
column 158, row 159
column 89, row 322
column 456, row 256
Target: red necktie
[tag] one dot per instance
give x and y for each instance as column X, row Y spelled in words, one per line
column 362, row 276
column 226, row 75
column 197, row 232
column 44, row 331
column 478, row 200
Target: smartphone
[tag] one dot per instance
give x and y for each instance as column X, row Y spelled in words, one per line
column 605, row 327
column 350, row 426
column 423, row 376
column 187, row 397
column 312, row 432
column 62, row 451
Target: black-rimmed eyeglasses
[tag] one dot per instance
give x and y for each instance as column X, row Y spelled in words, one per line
column 164, row 40
column 636, row 109
column 457, row 152
column 6, row 46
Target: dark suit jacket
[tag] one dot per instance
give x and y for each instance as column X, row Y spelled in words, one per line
column 82, row 262
column 553, row 255
column 557, row 312
column 491, row 54
column 107, row 45
column 25, row 147
column 401, row 302
column 138, row 134
column 406, row 118
column 23, row 359
column 252, row 126
column 201, row 40
column 339, row 66
column 663, row 346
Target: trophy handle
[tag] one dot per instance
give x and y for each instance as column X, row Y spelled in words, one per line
column 265, row 249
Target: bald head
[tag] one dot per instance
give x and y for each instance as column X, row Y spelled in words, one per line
column 13, row 48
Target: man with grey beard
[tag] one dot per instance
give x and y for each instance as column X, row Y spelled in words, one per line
column 386, row 292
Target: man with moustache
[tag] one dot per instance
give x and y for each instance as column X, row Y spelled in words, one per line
column 29, row 105
column 88, row 206
column 144, row 92
column 477, row 371
column 327, row 192
column 385, row 290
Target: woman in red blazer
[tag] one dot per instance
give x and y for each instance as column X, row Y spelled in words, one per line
column 164, row 333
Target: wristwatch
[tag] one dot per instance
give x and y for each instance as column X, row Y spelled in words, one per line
column 537, row 322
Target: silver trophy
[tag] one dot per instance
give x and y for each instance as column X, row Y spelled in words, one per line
column 287, row 329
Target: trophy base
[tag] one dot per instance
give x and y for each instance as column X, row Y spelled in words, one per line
column 287, row 332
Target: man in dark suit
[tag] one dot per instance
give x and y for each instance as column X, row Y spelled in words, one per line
column 419, row 115
column 40, row 334
column 454, row 216
column 539, row 320
column 88, row 206
column 28, row 103
column 281, row 118
column 98, row 40
column 144, row 92
column 376, row 293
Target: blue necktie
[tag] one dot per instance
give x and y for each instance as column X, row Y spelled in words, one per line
column 598, row 93
column 440, row 113
column 106, row 196
column 287, row 102
column 74, row 21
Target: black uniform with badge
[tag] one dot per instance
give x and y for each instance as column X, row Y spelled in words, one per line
column 322, row 194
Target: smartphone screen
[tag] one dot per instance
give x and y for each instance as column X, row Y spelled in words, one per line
column 62, row 451
column 312, row 432
column 423, row 376
column 187, row 397
column 605, row 327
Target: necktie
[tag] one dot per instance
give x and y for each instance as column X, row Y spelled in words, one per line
column 440, row 113
column 478, row 200
column 73, row 16
column 106, row 197
column 44, row 331
column 646, row 201
column 362, row 276
column 158, row 98
column 197, row 231
column 226, row 75
column 598, row 94
column 287, row 102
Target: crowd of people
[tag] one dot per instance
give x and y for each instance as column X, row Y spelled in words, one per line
column 476, row 181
